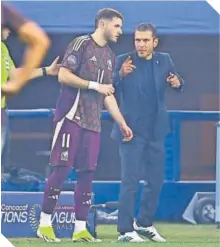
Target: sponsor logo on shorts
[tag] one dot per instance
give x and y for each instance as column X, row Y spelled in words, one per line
column 64, row 156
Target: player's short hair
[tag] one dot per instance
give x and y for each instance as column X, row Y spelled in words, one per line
column 107, row 13
column 146, row 26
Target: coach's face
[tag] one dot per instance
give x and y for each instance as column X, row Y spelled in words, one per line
column 113, row 29
column 145, row 43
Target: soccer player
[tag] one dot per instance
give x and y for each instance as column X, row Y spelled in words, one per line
column 86, row 83
column 37, row 45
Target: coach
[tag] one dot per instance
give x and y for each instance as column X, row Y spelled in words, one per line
column 141, row 78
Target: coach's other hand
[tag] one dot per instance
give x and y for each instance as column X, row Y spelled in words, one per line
column 173, row 80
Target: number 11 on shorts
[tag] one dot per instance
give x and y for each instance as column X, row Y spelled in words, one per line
column 66, row 140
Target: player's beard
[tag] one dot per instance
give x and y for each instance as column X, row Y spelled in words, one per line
column 109, row 37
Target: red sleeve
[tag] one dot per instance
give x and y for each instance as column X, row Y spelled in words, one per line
column 11, row 18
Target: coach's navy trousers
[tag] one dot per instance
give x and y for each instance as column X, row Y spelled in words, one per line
column 141, row 159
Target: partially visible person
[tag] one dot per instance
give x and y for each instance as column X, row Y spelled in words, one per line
column 9, row 74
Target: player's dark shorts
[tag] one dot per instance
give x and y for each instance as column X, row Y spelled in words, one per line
column 75, row 146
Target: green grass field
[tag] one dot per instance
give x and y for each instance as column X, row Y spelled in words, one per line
column 177, row 236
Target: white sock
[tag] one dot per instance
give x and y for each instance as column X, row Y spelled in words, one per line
column 45, row 219
column 80, row 225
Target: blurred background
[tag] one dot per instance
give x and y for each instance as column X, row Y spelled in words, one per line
column 188, row 30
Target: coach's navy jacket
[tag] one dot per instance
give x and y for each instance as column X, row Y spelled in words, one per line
column 132, row 97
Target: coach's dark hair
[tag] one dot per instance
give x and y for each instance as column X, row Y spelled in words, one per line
column 108, row 14
column 146, row 26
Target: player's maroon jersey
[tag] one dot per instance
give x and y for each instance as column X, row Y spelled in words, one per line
column 86, row 59
column 11, row 18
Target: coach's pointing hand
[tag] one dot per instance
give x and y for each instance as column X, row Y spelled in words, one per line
column 127, row 67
